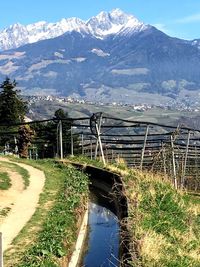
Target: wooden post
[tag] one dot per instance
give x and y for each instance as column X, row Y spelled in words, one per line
column 185, row 161
column 57, row 139
column 100, row 144
column 174, row 164
column 82, row 144
column 97, row 142
column 61, row 139
column 72, row 142
column 164, row 159
column 30, row 154
column 1, row 249
column 196, row 170
column 106, row 154
column 91, row 148
column 112, row 156
column 96, row 149
column 144, row 146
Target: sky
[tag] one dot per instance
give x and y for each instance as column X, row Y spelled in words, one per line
column 177, row 18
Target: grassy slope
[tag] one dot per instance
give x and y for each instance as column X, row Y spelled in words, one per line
column 165, row 224
column 48, row 238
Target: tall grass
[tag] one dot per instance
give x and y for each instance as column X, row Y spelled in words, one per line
column 164, row 223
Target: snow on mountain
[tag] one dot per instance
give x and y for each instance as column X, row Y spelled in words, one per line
column 100, row 52
column 102, row 25
column 113, row 22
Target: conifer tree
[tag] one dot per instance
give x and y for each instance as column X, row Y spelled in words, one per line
column 12, row 106
column 12, row 111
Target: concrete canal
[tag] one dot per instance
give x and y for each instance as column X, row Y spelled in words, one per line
column 102, row 244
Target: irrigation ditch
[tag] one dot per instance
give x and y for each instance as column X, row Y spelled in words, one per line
column 107, row 241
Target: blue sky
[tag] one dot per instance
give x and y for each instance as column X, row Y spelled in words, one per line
column 179, row 18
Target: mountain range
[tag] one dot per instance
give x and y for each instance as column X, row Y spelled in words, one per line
column 112, row 57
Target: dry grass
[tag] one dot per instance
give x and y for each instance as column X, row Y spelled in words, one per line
column 162, row 223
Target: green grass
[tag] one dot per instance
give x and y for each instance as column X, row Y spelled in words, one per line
column 4, row 212
column 24, row 173
column 16, row 168
column 5, row 182
column 164, row 224
column 85, row 160
column 51, row 233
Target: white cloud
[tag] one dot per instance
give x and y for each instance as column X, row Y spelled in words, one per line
column 189, row 19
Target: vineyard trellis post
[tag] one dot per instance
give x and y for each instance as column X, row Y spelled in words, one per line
column 72, row 142
column 185, row 160
column 91, row 148
column 173, row 163
column 97, row 142
column 144, row 146
column 98, row 127
column 60, row 139
column 82, row 144
column 164, row 159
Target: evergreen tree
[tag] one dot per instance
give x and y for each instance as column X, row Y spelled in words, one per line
column 12, row 107
column 12, row 111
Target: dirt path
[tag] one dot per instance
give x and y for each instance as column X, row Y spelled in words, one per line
column 8, row 197
column 23, row 206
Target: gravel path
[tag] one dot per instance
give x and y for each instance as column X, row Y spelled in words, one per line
column 23, row 206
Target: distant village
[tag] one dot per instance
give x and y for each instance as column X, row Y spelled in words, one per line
column 188, row 105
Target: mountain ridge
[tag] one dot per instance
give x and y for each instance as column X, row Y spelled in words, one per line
column 100, row 26
column 124, row 61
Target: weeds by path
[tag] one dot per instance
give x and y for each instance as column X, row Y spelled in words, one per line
column 5, row 182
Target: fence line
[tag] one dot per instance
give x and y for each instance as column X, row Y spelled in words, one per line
column 173, row 150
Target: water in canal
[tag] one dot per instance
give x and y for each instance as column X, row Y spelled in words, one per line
column 102, row 246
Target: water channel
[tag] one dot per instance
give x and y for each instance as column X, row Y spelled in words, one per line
column 102, row 244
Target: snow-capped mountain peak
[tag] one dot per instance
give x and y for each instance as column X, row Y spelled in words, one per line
column 118, row 16
column 100, row 26
column 113, row 22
